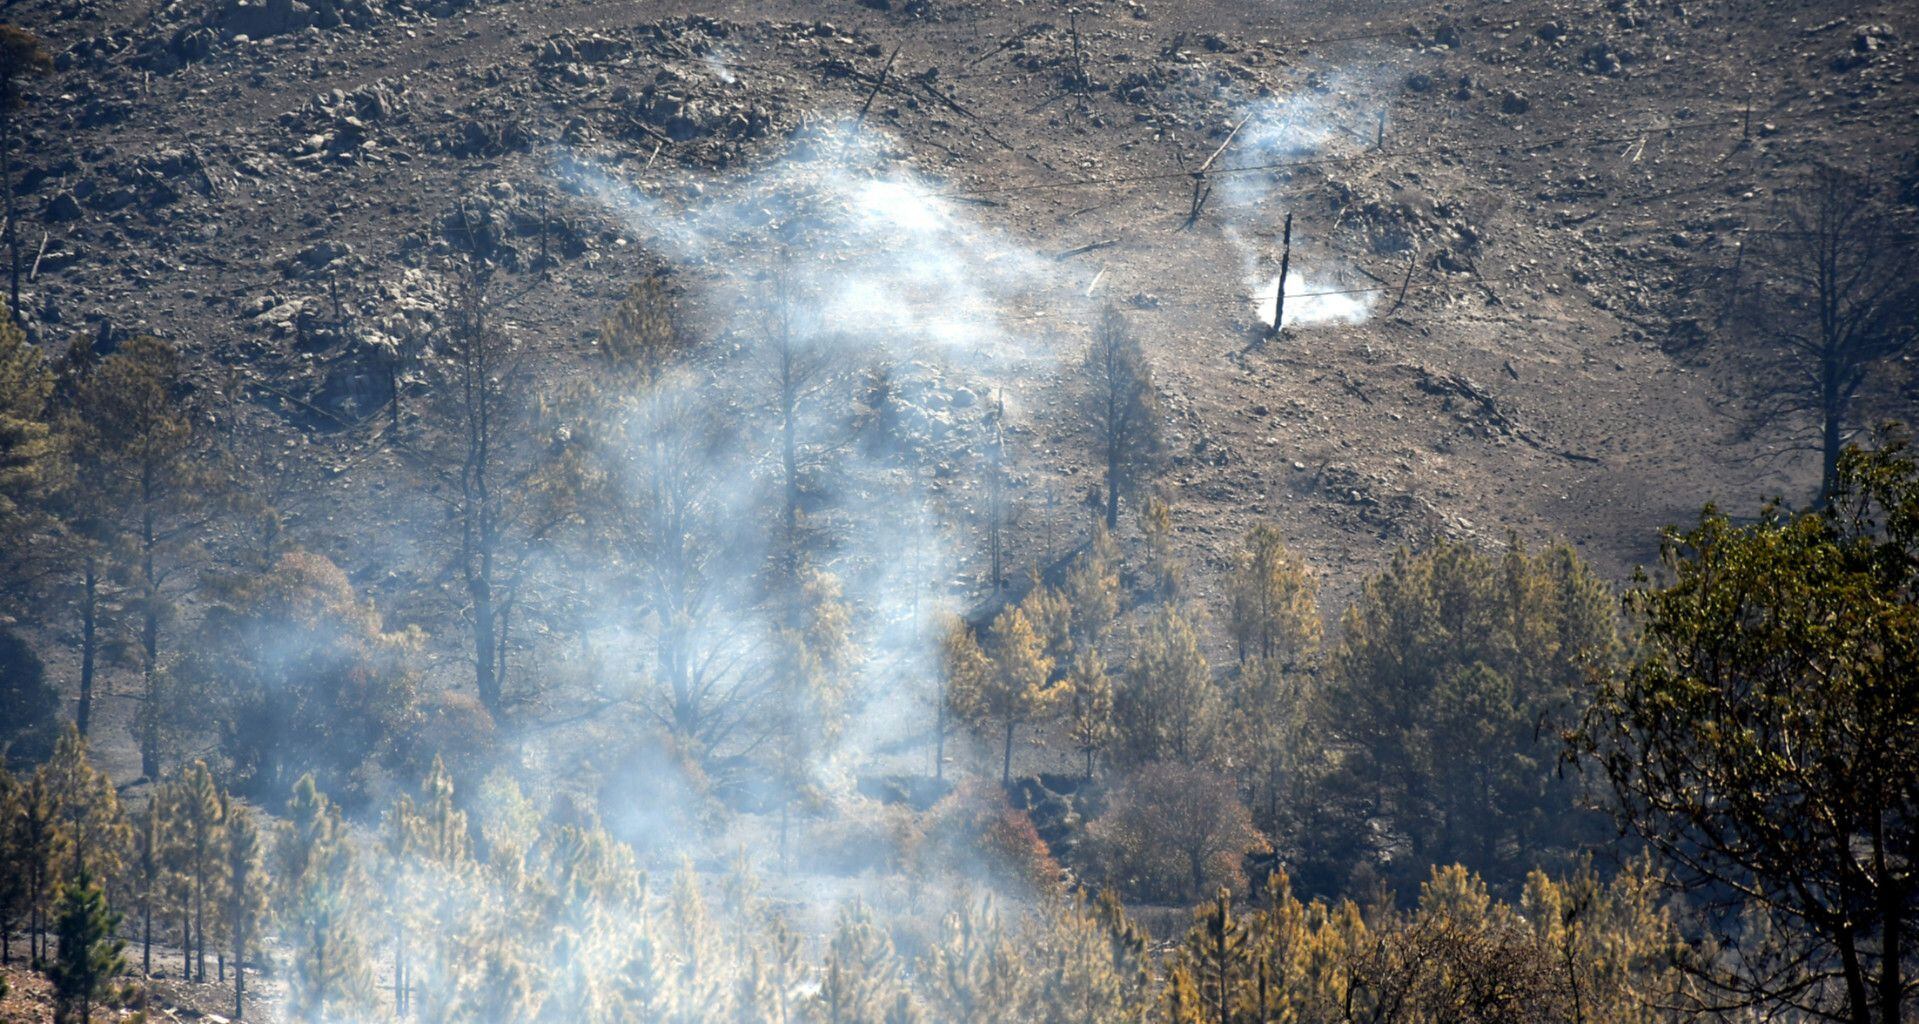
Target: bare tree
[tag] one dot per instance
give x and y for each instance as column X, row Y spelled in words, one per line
column 673, row 534
column 1830, row 297
column 1123, row 407
column 513, row 482
column 799, row 362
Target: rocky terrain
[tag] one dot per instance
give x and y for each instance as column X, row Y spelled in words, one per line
column 1503, row 208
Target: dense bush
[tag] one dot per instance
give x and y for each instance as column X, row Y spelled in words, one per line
column 1175, row 832
column 296, row 675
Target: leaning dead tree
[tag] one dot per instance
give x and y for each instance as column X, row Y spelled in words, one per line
column 1826, row 298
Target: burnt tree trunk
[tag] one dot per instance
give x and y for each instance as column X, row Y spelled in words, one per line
column 89, row 643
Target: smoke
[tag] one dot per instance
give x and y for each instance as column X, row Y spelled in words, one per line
column 715, row 62
column 840, row 266
column 1310, row 302
column 1326, row 119
column 891, row 317
column 877, row 261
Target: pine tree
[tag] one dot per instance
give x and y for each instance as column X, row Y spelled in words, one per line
column 1123, row 406
column 31, row 725
column 149, row 874
column 317, row 886
column 974, row 972
column 1165, row 571
column 1216, row 950
column 1008, row 686
column 74, row 822
column 243, row 894
column 332, row 693
column 812, row 662
column 1090, row 724
column 1183, row 1002
column 860, row 982
column 196, row 818
column 1171, row 705
column 1092, row 964
column 89, row 955
column 430, row 856
column 516, row 477
column 1092, row 588
column 1275, row 610
column 1454, row 672
column 15, row 867
column 1051, row 616
column 31, row 850
column 144, row 484
column 643, row 336
column 1272, row 747
column 88, row 829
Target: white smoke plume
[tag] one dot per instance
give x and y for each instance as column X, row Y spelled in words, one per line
column 866, row 265
column 1309, row 302
column 1325, row 121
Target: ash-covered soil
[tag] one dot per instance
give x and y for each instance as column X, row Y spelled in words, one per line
column 1499, row 207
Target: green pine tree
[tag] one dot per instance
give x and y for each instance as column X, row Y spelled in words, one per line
column 243, row 895
column 1217, row 955
column 196, row 831
column 317, row 887
column 89, row 955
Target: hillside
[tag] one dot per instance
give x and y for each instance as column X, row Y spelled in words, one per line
column 865, row 249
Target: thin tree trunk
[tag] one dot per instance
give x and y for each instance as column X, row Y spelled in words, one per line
column 89, row 604
column 484, row 678
column 1832, row 414
column 939, row 740
column 399, row 969
column 149, row 648
column 393, row 397
column 502, row 623
column 1891, row 974
column 13, row 230
column 789, row 455
column 1857, row 1007
column 1006, row 762
column 200, row 929
column 1112, row 483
